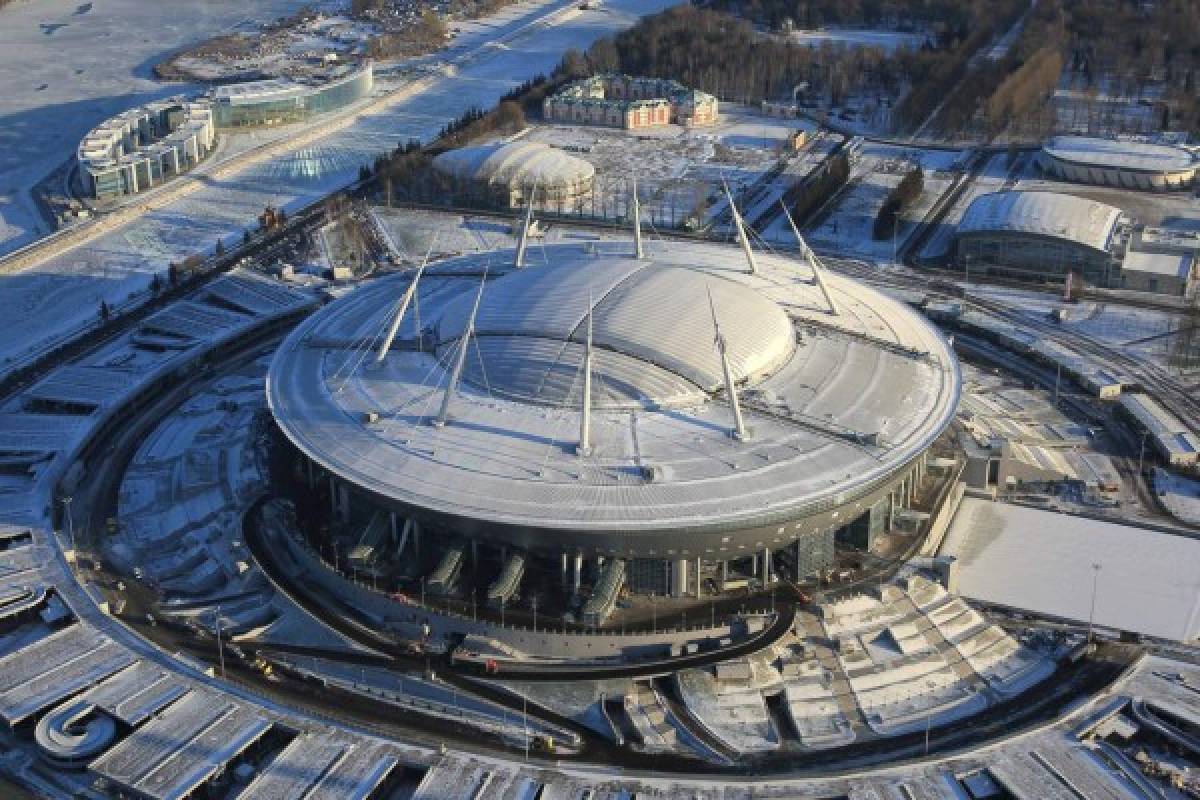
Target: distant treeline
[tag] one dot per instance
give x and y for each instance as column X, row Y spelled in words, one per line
column 724, row 55
column 952, row 16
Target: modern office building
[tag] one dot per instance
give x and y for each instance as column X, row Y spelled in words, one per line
column 509, row 174
column 140, row 148
column 1122, row 163
column 621, row 101
column 143, row 147
column 279, row 101
column 578, row 412
column 1042, row 236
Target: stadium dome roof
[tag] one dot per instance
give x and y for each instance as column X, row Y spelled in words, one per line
column 652, row 331
column 515, row 164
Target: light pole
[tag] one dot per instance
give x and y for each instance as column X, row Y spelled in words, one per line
column 220, row 645
column 1092, row 613
column 66, row 501
column 535, row 615
column 895, row 234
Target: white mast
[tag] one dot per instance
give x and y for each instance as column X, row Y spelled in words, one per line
column 741, row 232
column 807, row 254
column 638, row 252
column 524, row 240
column 408, row 296
column 459, row 358
column 739, row 426
column 585, row 420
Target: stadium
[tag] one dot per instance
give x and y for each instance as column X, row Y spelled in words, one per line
column 739, row 412
column 1120, row 163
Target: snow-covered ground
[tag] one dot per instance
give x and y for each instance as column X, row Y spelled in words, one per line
column 992, row 178
column 62, row 294
column 64, row 69
column 889, row 41
column 849, row 226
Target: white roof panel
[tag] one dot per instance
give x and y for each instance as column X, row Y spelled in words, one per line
column 1061, row 216
column 1041, row 561
column 1120, row 154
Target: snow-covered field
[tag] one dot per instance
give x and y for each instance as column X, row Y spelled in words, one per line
column 676, row 168
column 886, row 40
column 62, row 294
column 66, row 66
column 849, row 226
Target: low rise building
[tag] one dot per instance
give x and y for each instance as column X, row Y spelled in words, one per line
column 622, row 101
column 1163, row 273
column 1043, row 236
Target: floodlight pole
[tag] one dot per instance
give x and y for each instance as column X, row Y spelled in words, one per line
column 1092, row 613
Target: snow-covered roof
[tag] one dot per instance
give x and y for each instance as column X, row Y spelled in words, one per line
column 515, row 164
column 1120, row 154
column 814, row 394
column 1061, row 216
column 646, row 321
column 1172, row 265
column 1041, row 561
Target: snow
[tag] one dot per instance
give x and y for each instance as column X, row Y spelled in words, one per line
column 63, row 293
column 888, row 41
column 64, row 70
column 1041, row 561
column 849, row 227
column 1179, row 495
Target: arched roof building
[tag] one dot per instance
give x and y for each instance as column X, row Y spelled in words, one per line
column 509, row 172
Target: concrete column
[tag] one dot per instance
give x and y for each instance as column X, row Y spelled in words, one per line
column 578, row 571
column 767, row 567
column 311, row 477
column 892, row 510
column 474, row 552
column 679, row 578
column 724, row 572
column 754, row 570
column 395, row 527
column 333, row 496
column 564, row 568
column 344, row 503
column 416, row 534
column 699, row 588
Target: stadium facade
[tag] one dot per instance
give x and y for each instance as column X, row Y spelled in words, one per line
column 664, row 423
column 1122, row 163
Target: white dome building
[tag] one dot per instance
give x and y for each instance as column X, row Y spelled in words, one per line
column 510, row 172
